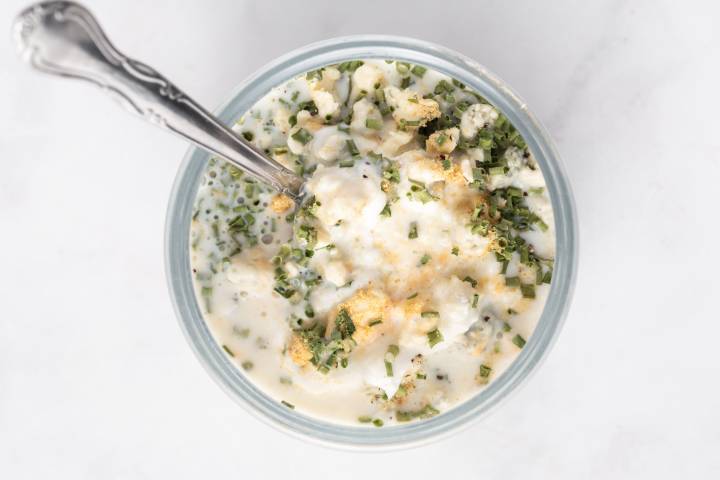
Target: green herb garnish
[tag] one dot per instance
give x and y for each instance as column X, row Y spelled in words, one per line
column 344, row 324
column 418, row 70
column 426, row 412
column 350, row 66
column 352, row 148
column 434, row 337
column 413, row 233
column 402, row 67
column 373, row 123
column 302, row 136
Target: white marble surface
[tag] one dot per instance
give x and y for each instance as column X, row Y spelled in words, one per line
column 96, row 380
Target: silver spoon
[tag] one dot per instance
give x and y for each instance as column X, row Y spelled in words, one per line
column 63, row 38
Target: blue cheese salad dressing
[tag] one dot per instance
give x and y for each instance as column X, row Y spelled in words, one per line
column 414, row 273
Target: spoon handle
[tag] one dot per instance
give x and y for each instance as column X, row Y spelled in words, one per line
column 63, row 38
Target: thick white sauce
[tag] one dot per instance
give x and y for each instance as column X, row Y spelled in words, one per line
column 396, row 296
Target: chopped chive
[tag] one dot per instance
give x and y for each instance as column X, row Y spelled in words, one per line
column 455, row 251
column 227, row 349
column 380, row 95
column 314, row 74
column 388, row 368
column 512, row 281
column 476, row 297
column 418, row 70
column 519, row 341
column 420, row 376
column 350, row 66
column 412, row 296
column 471, row 281
column 413, row 233
column 426, row 412
column 485, row 371
column 528, row 290
column 443, row 87
column 430, row 314
column 346, row 163
column 434, row 337
column 364, row 419
column 425, row 259
column 288, row 404
column 247, row 365
column 402, row 67
column 373, row 123
column 376, row 321
column 393, row 350
column 386, row 212
column 506, row 327
column 302, row 136
column 309, row 106
column 408, row 123
column 405, row 82
column 442, row 138
column 513, row 192
column 446, row 164
column 378, row 422
column 352, row 148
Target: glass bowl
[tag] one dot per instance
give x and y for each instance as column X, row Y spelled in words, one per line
column 230, row 378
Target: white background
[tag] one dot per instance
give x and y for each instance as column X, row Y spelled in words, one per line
column 96, row 380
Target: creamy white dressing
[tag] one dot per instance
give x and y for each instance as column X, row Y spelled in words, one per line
column 410, row 177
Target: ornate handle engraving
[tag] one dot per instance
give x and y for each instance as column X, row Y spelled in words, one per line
column 63, row 38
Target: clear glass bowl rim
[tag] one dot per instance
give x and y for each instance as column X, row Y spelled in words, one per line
column 229, row 377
